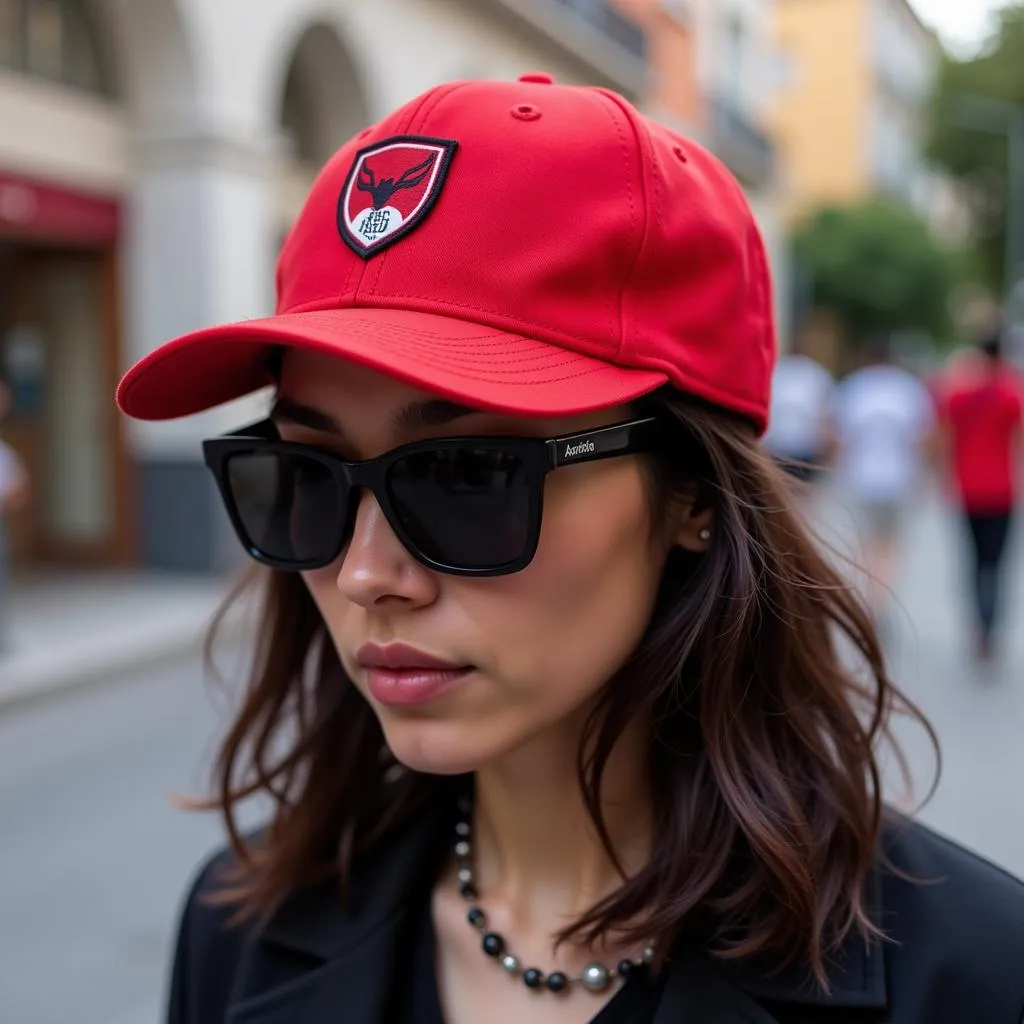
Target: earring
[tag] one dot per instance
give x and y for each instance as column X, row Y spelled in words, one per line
column 705, row 535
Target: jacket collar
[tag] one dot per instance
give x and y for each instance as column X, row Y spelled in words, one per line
column 856, row 974
column 349, row 952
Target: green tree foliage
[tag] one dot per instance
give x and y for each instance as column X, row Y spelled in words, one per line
column 878, row 269
column 972, row 142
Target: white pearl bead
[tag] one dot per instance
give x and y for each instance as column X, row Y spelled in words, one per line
column 510, row 963
column 462, row 849
column 595, row 978
column 465, row 874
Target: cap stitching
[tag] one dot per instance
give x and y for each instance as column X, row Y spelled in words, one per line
column 632, row 222
column 422, row 112
column 493, row 374
column 690, row 374
column 628, row 276
column 501, row 371
column 403, row 128
column 496, row 340
column 763, row 276
column 544, row 328
column 442, row 353
column 656, row 172
column 497, row 333
column 632, row 225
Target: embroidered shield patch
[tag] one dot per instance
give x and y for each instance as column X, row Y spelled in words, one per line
column 390, row 188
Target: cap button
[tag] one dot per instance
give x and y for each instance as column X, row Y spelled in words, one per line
column 538, row 78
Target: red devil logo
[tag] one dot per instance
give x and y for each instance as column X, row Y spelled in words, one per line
column 390, row 188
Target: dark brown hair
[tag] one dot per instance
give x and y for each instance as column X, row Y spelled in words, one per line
column 764, row 739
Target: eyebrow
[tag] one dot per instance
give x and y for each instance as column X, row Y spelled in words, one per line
column 435, row 412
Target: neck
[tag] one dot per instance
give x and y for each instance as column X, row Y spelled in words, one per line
column 535, row 846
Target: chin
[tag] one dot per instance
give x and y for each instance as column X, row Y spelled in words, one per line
column 436, row 748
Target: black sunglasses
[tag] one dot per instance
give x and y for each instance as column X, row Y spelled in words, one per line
column 470, row 506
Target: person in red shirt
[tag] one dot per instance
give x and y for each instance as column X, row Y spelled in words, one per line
column 982, row 414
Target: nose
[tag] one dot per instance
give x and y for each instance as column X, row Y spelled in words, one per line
column 376, row 570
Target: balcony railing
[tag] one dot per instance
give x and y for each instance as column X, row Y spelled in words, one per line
column 739, row 142
column 594, row 32
column 609, row 21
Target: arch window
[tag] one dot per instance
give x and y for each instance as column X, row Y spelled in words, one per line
column 322, row 103
column 55, row 40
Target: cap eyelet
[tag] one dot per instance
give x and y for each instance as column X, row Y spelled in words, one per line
column 525, row 112
column 681, row 154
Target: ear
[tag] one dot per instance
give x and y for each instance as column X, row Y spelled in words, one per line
column 696, row 528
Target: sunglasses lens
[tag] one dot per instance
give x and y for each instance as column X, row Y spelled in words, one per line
column 289, row 505
column 467, row 508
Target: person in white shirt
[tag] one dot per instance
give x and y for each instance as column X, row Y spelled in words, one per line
column 799, row 433
column 884, row 417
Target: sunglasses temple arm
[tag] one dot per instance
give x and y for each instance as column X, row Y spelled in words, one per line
column 603, row 443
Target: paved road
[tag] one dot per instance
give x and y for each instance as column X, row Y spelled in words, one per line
column 93, row 859
column 92, row 856
column 978, row 713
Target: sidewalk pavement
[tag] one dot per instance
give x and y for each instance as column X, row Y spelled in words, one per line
column 66, row 629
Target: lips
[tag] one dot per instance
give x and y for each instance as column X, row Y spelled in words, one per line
column 401, row 676
column 399, row 657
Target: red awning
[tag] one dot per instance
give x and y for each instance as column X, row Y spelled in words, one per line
column 33, row 210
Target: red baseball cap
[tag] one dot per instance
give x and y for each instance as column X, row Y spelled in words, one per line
column 525, row 247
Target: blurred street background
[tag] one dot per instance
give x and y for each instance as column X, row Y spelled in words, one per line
column 153, row 154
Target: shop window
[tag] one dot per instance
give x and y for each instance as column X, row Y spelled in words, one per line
column 52, row 39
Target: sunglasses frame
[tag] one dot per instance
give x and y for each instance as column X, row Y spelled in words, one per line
column 539, row 456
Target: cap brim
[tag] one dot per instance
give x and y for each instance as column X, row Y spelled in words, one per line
column 458, row 360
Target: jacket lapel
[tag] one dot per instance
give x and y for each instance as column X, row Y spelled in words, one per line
column 325, row 961
column 353, row 989
column 698, row 991
column 728, row 992
column 702, row 989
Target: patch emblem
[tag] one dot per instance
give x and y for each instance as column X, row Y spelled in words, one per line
column 390, row 188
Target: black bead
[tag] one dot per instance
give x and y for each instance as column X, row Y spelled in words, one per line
column 494, row 944
column 476, row 917
column 625, row 968
column 557, row 982
column 533, row 978
column 468, row 892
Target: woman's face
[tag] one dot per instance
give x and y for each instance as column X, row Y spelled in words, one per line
column 537, row 645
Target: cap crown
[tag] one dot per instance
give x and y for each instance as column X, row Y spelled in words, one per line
column 557, row 212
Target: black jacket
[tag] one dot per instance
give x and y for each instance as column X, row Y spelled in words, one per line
column 956, row 954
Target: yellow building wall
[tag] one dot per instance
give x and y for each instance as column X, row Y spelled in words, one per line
column 821, row 116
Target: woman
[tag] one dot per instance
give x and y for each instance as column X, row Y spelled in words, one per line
column 598, row 760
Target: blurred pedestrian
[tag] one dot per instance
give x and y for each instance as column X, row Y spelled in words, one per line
column 547, row 700
column 884, row 417
column 800, row 434
column 982, row 422
column 14, row 493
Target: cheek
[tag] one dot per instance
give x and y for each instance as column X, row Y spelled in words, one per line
column 334, row 609
column 578, row 611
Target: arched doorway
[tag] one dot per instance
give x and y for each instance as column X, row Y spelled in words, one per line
column 322, row 105
column 58, row 299
column 68, row 295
